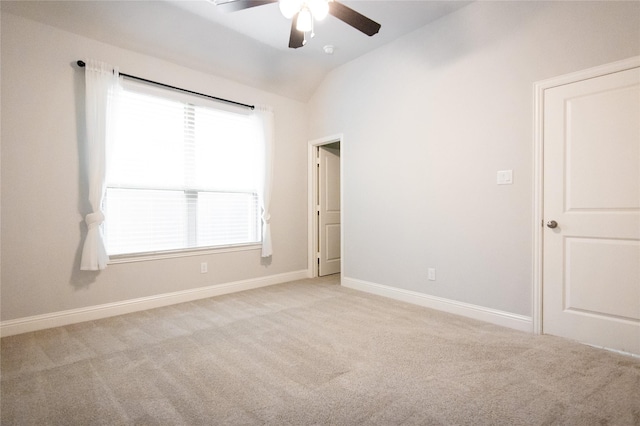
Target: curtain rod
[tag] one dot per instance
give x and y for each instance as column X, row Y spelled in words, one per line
column 81, row 64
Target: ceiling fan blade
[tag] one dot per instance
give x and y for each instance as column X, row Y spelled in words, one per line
column 353, row 18
column 235, row 5
column 296, row 39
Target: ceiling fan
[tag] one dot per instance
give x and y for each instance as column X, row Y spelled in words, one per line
column 304, row 12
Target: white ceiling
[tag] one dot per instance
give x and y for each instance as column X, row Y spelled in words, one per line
column 248, row 46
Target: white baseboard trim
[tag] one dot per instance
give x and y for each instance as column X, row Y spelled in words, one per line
column 493, row 316
column 91, row 313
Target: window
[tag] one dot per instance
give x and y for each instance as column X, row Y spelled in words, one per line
column 183, row 173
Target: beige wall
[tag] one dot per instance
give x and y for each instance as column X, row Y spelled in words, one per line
column 429, row 119
column 44, row 194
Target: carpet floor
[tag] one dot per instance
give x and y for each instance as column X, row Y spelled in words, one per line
column 306, row 353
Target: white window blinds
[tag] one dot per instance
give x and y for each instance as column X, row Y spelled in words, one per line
column 183, row 173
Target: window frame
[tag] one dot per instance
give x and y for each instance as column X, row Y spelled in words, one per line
column 191, row 101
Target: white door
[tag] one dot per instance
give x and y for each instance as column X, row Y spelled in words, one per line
column 591, row 259
column 329, row 209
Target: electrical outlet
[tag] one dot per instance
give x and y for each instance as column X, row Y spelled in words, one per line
column 203, row 268
column 431, row 274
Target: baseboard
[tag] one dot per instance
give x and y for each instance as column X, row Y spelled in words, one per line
column 493, row 316
column 73, row 316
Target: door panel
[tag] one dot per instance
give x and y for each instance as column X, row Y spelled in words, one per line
column 591, row 260
column 602, row 161
column 329, row 210
column 333, row 242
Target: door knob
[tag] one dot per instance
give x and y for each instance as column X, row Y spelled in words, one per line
column 552, row 224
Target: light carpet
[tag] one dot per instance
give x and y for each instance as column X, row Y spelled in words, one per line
column 309, row 352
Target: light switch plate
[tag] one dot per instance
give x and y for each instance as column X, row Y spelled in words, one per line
column 505, row 177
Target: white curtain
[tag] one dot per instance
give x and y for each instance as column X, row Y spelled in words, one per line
column 102, row 83
column 265, row 123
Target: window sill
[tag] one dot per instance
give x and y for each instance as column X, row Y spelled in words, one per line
column 144, row 257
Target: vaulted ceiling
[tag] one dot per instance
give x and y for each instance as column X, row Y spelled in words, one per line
column 248, row 46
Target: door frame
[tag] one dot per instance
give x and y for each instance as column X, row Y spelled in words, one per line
column 312, row 192
column 538, row 168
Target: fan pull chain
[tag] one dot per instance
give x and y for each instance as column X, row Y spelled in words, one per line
column 311, row 33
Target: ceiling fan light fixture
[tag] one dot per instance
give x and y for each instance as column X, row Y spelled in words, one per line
column 304, row 13
column 305, row 20
column 289, row 8
column 319, row 8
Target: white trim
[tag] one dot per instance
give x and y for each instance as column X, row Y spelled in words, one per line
column 493, row 316
column 312, row 194
column 91, row 313
column 170, row 254
column 538, row 167
column 536, row 290
column 594, row 72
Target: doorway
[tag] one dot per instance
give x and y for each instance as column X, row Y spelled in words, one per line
column 325, row 206
column 588, row 207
